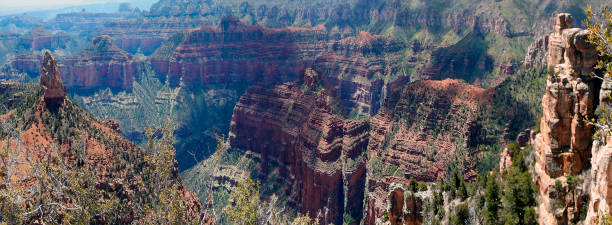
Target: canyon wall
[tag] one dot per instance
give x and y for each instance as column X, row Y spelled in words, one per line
column 39, row 38
column 320, row 155
column 357, row 69
column 101, row 65
column 327, row 164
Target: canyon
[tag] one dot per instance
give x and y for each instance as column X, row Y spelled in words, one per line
column 337, row 108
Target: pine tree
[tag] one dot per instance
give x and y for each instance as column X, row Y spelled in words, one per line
column 492, row 200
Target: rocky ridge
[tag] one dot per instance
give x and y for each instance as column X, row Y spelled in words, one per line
column 48, row 121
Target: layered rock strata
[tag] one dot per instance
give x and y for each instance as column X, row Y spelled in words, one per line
column 563, row 148
column 319, row 155
column 27, row 64
column 358, row 70
column 39, row 38
column 408, row 134
column 407, row 137
column 101, row 65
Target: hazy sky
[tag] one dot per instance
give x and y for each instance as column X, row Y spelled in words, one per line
column 8, row 7
column 48, row 3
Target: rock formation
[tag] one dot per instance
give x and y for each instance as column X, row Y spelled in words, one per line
column 51, row 84
column 563, row 148
column 39, row 38
column 353, row 69
column 320, row 155
column 537, row 53
column 120, row 167
column 403, row 206
column 101, row 65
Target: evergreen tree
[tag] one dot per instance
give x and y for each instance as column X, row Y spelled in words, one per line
column 519, row 193
column 492, row 200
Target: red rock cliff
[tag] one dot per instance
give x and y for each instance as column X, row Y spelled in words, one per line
column 320, row 155
column 353, row 69
column 101, row 65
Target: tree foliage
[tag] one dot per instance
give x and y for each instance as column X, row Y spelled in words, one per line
column 246, row 208
column 519, row 192
column 492, row 200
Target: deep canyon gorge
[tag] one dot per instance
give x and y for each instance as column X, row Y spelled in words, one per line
column 341, row 112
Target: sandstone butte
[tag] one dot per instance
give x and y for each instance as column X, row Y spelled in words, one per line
column 108, row 151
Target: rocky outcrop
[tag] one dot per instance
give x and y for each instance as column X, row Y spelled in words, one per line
column 101, row 65
column 121, row 170
column 51, row 84
column 404, row 206
column 563, row 148
column 407, row 132
column 537, row 53
column 319, row 154
column 600, row 191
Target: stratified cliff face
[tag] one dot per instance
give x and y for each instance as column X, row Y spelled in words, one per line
column 419, row 127
column 294, row 130
column 319, row 155
column 563, row 148
column 28, row 64
column 234, row 52
column 360, row 70
column 422, row 129
column 86, row 23
column 356, row 69
column 101, row 65
column 39, row 38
